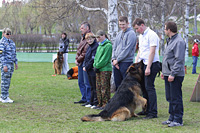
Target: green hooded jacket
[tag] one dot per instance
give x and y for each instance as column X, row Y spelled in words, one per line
column 102, row 60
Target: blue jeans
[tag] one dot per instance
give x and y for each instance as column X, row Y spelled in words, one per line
column 120, row 74
column 84, row 84
column 173, row 94
column 195, row 58
column 150, row 92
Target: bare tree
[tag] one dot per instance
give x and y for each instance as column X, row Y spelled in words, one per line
column 187, row 10
column 111, row 15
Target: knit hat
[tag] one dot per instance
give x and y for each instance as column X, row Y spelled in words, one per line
column 196, row 40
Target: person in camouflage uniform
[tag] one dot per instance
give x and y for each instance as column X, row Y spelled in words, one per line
column 103, row 68
column 7, row 61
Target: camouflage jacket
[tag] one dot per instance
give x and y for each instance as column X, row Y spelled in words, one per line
column 7, row 51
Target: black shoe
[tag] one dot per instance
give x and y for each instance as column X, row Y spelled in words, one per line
column 142, row 113
column 150, row 117
column 85, row 104
column 80, row 102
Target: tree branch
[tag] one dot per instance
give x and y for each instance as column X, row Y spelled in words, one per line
column 91, row 9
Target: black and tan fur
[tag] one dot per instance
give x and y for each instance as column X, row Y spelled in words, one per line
column 127, row 98
column 58, row 62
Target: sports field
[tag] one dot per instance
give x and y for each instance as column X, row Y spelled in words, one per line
column 45, row 103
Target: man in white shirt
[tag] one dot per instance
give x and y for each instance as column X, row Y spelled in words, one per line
column 149, row 53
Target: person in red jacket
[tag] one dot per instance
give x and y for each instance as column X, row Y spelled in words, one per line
column 195, row 55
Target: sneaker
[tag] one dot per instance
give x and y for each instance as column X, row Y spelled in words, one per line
column 7, row 100
column 166, row 122
column 85, row 104
column 93, row 106
column 88, row 105
column 174, row 124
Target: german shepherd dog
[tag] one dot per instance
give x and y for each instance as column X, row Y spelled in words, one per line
column 58, row 62
column 126, row 99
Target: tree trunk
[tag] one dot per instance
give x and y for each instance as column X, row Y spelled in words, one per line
column 112, row 19
column 187, row 9
column 163, row 28
column 130, row 12
column 195, row 17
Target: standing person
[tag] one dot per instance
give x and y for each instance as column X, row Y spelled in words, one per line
column 103, row 68
column 7, row 61
column 88, row 67
column 123, row 50
column 83, row 82
column 148, row 52
column 63, row 47
column 173, row 73
column 195, row 55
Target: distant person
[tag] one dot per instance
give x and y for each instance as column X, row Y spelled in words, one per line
column 88, row 67
column 123, row 50
column 63, row 47
column 173, row 73
column 83, row 81
column 195, row 55
column 149, row 53
column 103, row 68
column 7, row 60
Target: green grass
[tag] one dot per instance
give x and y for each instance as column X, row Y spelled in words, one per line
column 44, row 103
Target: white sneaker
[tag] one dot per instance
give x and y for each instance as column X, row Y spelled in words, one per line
column 88, row 105
column 93, row 106
column 7, row 100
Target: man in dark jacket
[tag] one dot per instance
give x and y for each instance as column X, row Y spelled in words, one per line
column 173, row 73
column 80, row 56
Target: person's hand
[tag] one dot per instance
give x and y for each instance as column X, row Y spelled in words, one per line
column 76, row 62
column 96, row 70
column 5, row 68
column 147, row 71
column 16, row 66
column 170, row 78
column 162, row 76
column 84, row 69
column 117, row 66
column 115, row 62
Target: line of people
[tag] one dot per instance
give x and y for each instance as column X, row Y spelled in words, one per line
column 95, row 60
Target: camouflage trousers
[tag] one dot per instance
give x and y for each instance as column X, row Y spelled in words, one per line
column 5, row 80
column 103, row 87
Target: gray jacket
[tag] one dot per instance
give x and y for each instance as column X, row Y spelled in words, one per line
column 124, row 46
column 63, row 45
column 174, row 57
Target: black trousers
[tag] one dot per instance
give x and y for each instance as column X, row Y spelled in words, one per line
column 148, row 89
column 92, row 81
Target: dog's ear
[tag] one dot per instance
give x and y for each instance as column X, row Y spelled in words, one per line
column 132, row 69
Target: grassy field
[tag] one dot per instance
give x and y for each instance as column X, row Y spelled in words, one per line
column 45, row 103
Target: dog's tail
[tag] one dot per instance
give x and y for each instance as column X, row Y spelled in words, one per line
column 158, row 75
column 92, row 118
